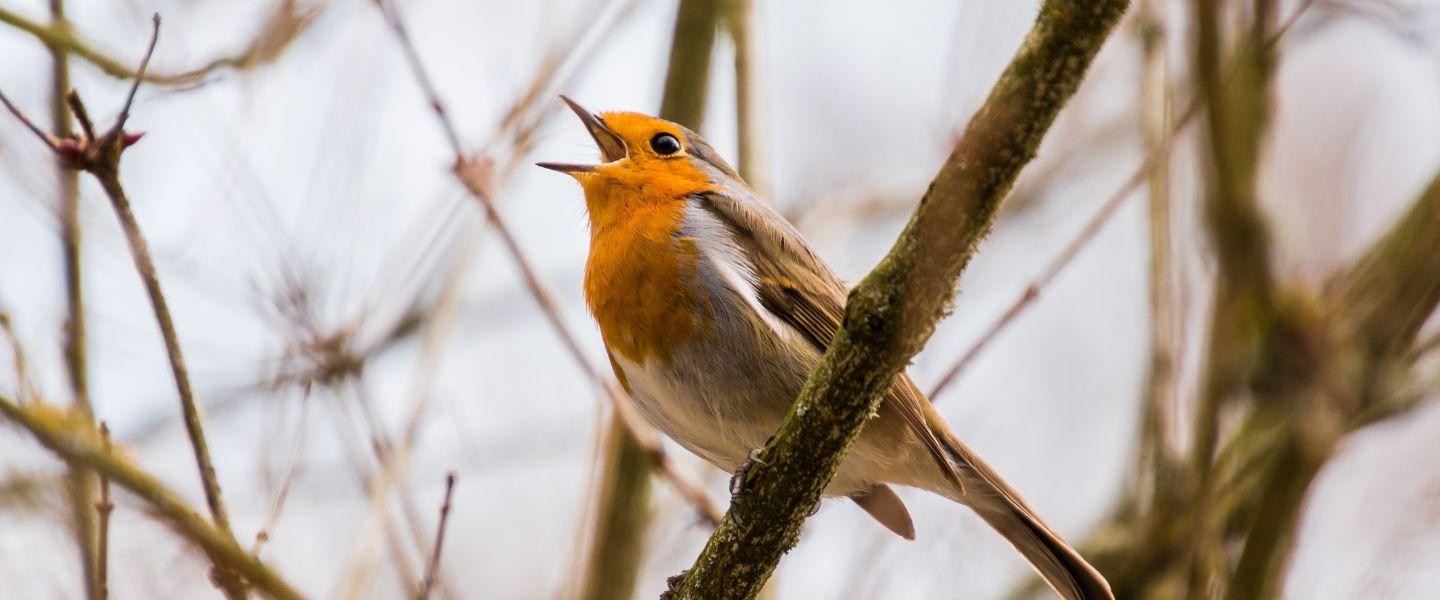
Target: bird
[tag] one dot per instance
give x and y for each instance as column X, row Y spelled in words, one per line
column 713, row 310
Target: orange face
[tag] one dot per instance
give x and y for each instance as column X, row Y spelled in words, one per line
column 655, row 169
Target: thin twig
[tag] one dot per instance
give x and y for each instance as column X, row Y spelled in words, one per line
column 434, row 566
column 1093, row 226
column 103, row 508
column 26, row 388
column 292, row 465
column 1068, row 253
column 79, row 481
column 478, row 178
column 50, row 141
column 135, row 85
column 101, row 158
column 272, row 37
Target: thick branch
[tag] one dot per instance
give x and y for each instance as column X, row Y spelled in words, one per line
column 686, row 87
column 893, row 312
column 77, row 442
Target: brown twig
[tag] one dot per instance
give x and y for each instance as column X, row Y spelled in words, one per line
column 279, row 29
column 26, row 388
column 80, row 483
column 434, row 566
column 103, row 509
column 1068, row 253
column 100, row 156
column 477, row 176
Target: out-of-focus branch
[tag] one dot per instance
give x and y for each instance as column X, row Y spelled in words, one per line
column 892, row 313
column 1244, row 311
column 103, row 508
column 478, row 178
column 1154, row 456
column 281, row 27
column 79, row 484
column 1154, row 159
column 434, row 563
column 100, row 156
column 749, row 96
column 686, row 88
column 619, row 518
column 77, row 441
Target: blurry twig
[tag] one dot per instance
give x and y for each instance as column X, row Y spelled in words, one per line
column 1087, row 233
column 80, row 483
column 292, row 464
column 434, row 565
column 103, row 508
column 749, row 97
column 24, row 387
column 478, row 178
column 77, row 441
column 1156, row 158
column 281, row 27
column 100, row 156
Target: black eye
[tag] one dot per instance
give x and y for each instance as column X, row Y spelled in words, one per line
column 664, row 143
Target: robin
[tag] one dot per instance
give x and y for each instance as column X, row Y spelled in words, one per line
column 714, row 310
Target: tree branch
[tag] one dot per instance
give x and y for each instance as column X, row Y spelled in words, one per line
column 280, row 28
column 100, row 156
column 892, row 313
column 76, row 441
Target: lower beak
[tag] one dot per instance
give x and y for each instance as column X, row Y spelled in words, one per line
column 566, row 167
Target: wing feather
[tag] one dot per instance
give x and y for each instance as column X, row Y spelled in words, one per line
column 794, row 285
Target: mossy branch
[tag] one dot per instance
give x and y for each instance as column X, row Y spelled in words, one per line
column 77, row 442
column 892, row 313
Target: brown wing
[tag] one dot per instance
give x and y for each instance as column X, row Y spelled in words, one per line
column 798, row 288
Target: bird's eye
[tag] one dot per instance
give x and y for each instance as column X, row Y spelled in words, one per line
column 664, row 143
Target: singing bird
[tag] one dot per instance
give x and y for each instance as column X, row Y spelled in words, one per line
column 714, row 310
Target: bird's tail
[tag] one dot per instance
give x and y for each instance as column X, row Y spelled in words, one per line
column 1002, row 507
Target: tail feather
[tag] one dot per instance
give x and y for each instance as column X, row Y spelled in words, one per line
column 1001, row 506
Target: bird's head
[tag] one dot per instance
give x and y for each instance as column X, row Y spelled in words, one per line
column 644, row 160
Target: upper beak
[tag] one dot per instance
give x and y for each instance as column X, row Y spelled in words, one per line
column 612, row 148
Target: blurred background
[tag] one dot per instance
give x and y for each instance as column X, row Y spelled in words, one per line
column 336, row 290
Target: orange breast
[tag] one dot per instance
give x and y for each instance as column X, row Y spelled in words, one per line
column 639, row 280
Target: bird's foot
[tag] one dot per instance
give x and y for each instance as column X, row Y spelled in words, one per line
column 672, row 586
column 737, row 481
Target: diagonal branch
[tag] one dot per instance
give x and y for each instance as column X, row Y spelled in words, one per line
column 78, row 442
column 893, row 312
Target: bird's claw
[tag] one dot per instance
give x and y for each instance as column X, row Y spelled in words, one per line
column 672, row 586
column 737, row 481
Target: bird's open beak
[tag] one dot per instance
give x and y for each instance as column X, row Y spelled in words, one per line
column 612, row 148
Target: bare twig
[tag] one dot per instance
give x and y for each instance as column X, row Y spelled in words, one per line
column 25, row 387
column 478, row 178
column 75, row 440
column 280, row 28
column 100, row 156
column 749, row 96
column 434, row 566
column 103, row 508
column 1067, row 254
column 50, row 140
column 80, row 483
column 292, row 465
